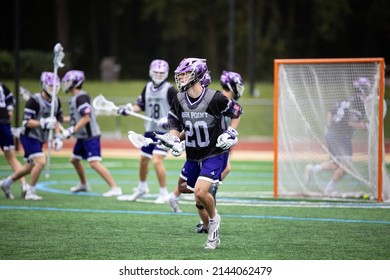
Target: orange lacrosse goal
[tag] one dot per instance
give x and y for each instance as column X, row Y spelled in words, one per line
column 328, row 128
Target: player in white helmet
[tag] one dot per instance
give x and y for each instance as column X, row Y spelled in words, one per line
column 155, row 101
column 84, row 127
column 37, row 123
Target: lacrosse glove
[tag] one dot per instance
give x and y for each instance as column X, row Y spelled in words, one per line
column 227, row 139
column 48, row 123
column 125, row 109
column 68, row 132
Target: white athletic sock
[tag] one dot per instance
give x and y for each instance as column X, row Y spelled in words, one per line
column 163, row 191
column 142, row 185
column 8, row 181
column 330, row 186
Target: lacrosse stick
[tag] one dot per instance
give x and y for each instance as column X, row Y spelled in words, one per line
column 25, row 93
column 107, row 107
column 57, row 62
column 139, row 140
column 168, row 141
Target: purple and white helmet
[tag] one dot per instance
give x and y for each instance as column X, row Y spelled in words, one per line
column 158, row 71
column 72, row 79
column 206, row 80
column 189, row 72
column 363, row 86
column 47, row 82
column 233, row 82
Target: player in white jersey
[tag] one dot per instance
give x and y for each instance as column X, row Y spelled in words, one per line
column 37, row 123
column 7, row 143
column 155, row 101
column 200, row 112
column 85, row 129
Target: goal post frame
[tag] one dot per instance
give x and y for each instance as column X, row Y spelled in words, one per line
column 380, row 61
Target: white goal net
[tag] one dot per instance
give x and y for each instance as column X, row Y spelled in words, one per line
column 329, row 139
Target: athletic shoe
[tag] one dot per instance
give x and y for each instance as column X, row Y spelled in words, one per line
column 136, row 189
column 211, row 245
column 200, row 228
column 162, row 198
column 133, row 197
column 24, row 190
column 213, row 235
column 125, row 197
column 174, row 203
column 6, row 190
column 308, row 174
column 115, row 191
column 80, row 188
column 32, row 196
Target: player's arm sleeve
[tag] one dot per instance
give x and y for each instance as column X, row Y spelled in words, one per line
column 9, row 98
column 172, row 92
column 83, row 104
column 31, row 109
column 59, row 115
column 141, row 100
column 173, row 116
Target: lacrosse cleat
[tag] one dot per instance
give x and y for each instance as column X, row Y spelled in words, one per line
column 6, row 189
column 80, row 188
column 174, row 203
column 115, row 191
column 32, row 196
column 213, row 240
column 201, row 228
column 137, row 194
column 162, row 198
column 211, row 245
column 24, row 190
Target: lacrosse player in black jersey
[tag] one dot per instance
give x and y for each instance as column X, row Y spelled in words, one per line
column 200, row 112
column 37, row 123
column 347, row 116
column 155, row 101
column 7, row 143
column 85, row 128
column 233, row 88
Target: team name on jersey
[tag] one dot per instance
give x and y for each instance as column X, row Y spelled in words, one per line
column 194, row 115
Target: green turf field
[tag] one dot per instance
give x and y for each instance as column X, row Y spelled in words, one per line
column 65, row 226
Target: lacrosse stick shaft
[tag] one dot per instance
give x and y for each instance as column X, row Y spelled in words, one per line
column 58, row 56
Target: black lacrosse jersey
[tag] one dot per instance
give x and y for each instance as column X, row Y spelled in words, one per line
column 203, row 121
column 6, row 104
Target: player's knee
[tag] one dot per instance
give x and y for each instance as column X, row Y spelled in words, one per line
column 199, row 206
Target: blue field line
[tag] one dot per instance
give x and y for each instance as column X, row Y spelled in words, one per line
column 137, row 212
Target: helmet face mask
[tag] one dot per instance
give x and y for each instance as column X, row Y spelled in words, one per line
column 362, row 87
column 158, row 71
column 191, row 71
column 72, row 79
column 47, row 81
column 232, row 81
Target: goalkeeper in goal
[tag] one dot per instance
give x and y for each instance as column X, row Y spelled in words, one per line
column 347, row 116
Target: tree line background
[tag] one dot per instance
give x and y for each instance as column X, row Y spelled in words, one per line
column 240, row 35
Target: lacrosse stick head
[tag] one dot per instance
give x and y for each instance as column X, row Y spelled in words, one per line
column 25, row 93
column 72, row 79
column 58, row 55
column 48, row 80
column 103, row 106
column 139, row 140
column 158, row 71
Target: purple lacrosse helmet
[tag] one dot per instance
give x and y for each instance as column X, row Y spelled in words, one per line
column 158, row 71
column 47, row 82
column 233, row 82
column 206, row 80
column 72, row 79
column 189, row 72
